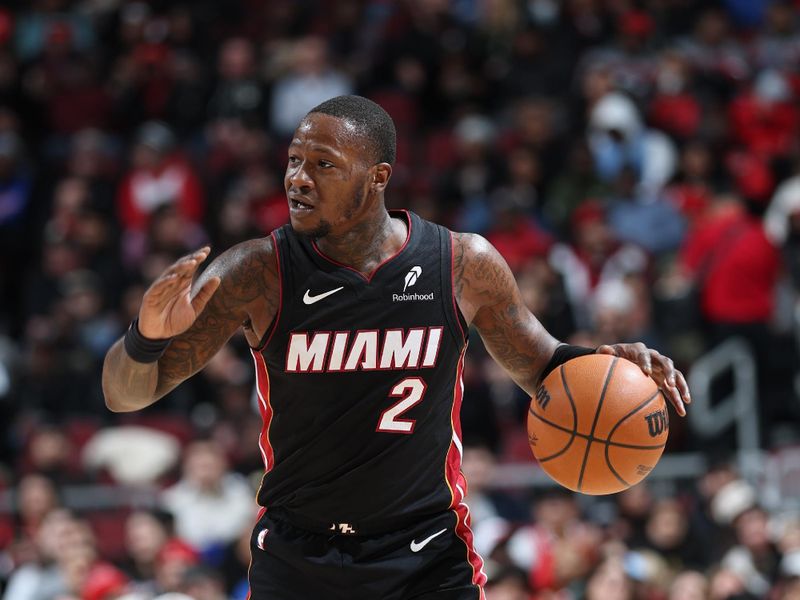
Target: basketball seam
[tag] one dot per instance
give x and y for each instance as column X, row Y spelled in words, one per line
column 613, row 429
column 594, row 423
column 574, row 420
column 585, row 436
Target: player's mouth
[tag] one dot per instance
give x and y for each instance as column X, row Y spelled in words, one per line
column 299, row 205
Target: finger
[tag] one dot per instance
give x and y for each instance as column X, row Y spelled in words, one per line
column 164, row 281
column 683, row 388
column 204, row 294
column 675, row 398
column 180, row 271
column 189, row 261
column 670, row 386
column 606, row 349
column 187, row 264
column 644, row 358
column 668, row 368
column 176, row 277
column 173, row 275
column 168, row 285
column 200, row 254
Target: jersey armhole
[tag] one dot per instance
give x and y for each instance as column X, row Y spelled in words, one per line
column 458, row 323
column 264, row 342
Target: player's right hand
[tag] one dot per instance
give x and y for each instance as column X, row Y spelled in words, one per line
column 168, row 306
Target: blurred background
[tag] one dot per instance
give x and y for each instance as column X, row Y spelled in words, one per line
column 637, row 162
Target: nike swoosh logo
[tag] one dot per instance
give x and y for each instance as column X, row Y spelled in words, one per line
column 309, row 299
column 417, row 546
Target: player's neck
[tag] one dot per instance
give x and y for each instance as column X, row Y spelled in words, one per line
column 368, row 243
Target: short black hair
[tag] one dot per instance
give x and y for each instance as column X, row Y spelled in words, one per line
column 372, row 121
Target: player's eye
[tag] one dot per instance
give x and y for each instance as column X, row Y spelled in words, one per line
column 293, row 160
column 325, row 164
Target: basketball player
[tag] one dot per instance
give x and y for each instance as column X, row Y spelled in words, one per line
column 357, row 318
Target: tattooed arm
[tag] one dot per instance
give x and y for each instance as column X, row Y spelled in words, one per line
column 490, row 299
column 239, row 288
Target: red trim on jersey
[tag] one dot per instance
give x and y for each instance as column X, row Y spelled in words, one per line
column 368, row 276
column 265, row 408
column 274, row 324
column 456, row 310
column 457, row 483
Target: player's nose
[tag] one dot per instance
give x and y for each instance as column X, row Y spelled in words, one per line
column 298, row 178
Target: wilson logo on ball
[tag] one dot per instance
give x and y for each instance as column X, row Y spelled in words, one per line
column 542, row 397
column 657, row 422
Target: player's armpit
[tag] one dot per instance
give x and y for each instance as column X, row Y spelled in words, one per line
column 489, row 298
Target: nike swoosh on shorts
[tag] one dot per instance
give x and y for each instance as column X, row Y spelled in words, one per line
column 417, row 546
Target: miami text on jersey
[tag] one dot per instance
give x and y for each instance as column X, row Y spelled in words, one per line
column 366, row 350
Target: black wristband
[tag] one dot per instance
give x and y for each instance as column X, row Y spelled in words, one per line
column 564, row 353
column 142, row 349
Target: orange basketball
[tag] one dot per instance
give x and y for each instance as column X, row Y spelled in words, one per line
column 598, row 424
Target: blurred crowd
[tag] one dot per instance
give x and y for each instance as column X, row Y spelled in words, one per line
column 637, row 163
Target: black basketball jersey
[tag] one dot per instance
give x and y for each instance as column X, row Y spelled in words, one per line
column 359, row 382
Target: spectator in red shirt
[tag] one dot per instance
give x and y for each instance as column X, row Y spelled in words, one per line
column 517, row 237
column 158, row 176
column 514, row 231
column 742, row 258
column 741, row 269
column 674, row 108
column 766, row 118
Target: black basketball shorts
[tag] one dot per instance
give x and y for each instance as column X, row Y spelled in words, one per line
column 425, row 561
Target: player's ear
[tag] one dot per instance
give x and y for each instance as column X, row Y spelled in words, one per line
column 380, row 176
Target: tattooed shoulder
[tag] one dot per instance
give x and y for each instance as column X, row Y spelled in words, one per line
column 480, row 275
column 249, row 273
column 487, row 291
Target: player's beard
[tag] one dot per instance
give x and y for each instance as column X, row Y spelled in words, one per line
column 320, row 231
column 324, row 227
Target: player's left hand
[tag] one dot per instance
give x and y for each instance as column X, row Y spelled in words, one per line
column 659, row 367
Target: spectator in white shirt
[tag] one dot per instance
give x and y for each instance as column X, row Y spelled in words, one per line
column 211, row 504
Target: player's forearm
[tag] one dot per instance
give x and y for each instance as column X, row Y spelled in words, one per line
column 128, row 385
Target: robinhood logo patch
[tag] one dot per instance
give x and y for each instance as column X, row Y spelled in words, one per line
column 410, row 280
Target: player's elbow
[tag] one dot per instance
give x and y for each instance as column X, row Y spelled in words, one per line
column 118, row 400
column 114, row 402
column 114, row 407
column 127, row 385
column 122, row 405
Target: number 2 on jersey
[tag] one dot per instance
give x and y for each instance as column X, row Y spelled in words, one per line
column 410, row 391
